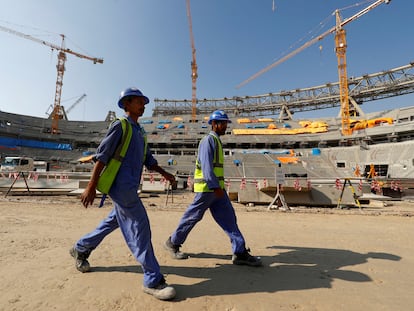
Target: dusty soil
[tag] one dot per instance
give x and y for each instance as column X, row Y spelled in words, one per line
column 314, row 259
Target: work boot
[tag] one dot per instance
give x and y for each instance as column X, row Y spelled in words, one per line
column 246, row 259
column 81, row 260
column 174, row 250
column 162, row 291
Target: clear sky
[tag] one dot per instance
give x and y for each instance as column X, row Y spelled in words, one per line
column 146, row 43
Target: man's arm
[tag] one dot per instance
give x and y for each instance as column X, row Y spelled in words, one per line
column 103, row 153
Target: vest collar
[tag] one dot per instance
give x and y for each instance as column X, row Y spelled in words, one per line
column 130, row 120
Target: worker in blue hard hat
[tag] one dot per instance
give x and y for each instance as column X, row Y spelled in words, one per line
column 210, row 194
column 128, row 212
column 219, row 115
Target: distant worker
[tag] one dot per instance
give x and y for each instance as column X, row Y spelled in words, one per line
column 210, row 194
column 372, row 173
column 128, row 212
column 357, row 171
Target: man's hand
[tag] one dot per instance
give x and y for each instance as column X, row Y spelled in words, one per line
column 88, row 196
column 219, row 193
column 169, row 177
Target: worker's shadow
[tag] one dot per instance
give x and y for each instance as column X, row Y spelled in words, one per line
column 291, row 268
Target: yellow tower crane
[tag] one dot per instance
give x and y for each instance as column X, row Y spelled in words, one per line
column 194, row 74
column 56, row 113
column 340, row 48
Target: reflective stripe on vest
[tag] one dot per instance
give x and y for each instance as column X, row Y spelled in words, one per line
column 144, row 135
column 200, row 184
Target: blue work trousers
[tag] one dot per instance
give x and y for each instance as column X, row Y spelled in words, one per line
column 223, row 213
column 131, row 217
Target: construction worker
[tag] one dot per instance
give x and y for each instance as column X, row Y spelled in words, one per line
column 128, row 212
column 210, row 194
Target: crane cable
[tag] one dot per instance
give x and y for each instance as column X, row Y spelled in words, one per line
column 316, row 39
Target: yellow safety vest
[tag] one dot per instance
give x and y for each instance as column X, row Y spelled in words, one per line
column 200, row 184
column 107, row 177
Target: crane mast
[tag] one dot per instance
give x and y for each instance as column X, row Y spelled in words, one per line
column 194, row 74
column 56, row 113
column 340, row 49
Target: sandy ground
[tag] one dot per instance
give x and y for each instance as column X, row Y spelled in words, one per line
column 314, row 259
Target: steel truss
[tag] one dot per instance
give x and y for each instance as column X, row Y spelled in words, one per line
column 395, row 82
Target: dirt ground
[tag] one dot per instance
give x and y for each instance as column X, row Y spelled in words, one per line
column 314, row 259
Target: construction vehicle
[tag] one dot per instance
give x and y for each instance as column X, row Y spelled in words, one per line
column 17, row 164
column 56, row 113
column 340, row 49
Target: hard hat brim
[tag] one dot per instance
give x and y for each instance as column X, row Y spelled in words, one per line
column 121, row 105
column 210, row 121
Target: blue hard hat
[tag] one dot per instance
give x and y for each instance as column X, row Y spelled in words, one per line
column 219, row 115
column 131, row 91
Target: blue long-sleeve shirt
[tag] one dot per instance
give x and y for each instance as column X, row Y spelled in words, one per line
column 206, row 151
column 129, row 174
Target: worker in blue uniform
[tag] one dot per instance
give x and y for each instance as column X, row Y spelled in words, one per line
column 128, row 212
column 210, row 194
